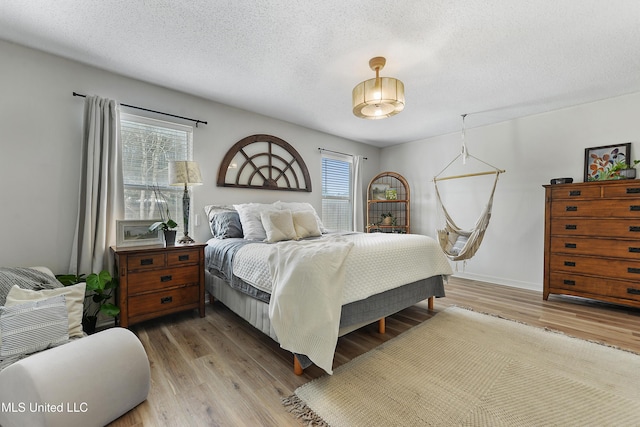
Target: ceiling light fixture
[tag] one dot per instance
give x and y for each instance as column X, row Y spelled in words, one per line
column 380, row 97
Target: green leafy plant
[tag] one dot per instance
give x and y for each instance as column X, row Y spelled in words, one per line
column 391, row 221
column 165, row 223
column 99, row 290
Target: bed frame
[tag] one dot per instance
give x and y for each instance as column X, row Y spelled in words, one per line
column 353, row 316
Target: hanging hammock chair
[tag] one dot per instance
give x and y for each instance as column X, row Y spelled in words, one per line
column 459, row 244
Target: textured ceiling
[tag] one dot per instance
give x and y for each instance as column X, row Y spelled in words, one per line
column 298, row 60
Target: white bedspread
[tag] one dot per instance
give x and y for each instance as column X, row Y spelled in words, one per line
column 308, row 280
column 377, row 262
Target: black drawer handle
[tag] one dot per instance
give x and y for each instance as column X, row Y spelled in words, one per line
column 575, row 227
column 634, row 228
column 634, row 208
column 634, row 190
column 166, row 278
column 633, row 291
column 146, row 261
column 634, row 250
column 569, row 282
column 571, row 209
column 569, row 264
column 633, row 270
column 575, row 192
column 166, row 300
column 183, row 258
column 570, row 245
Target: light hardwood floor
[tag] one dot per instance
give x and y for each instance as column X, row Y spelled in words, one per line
column 220, row 371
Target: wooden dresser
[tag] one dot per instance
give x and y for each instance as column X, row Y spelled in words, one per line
column 158, row 280
column 592, row 241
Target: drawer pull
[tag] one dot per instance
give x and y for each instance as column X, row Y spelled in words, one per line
column 634, row 190
column 634, row 208
column 569, row 282
column 633, row 270
column 570, row 245
column 575, row 227
column 146, row 261
column 633, row 291
column 571, row 209
column 634, row 250
column 183, row 258
column 634, row 228
column 166, row 300
column 569, row 264
column 166, row 278
column 575, row 192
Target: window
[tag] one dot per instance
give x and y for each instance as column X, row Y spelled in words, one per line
column 147, row 147
column 337, row 195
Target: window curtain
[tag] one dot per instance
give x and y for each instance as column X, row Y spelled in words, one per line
column 101, row 194
column 358, row 194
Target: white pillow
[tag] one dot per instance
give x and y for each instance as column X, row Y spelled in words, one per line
column 299, row 207
column 33, row 326
column 305, row 224
column 278, row 225
column 74, row 297
column 249, row 213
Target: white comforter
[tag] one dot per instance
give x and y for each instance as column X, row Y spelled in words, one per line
column 310, row 280
column 378, row 262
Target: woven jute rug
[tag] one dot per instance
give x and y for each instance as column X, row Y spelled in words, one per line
column 470, row 369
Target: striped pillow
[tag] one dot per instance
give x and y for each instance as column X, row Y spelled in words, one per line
column 33, row 326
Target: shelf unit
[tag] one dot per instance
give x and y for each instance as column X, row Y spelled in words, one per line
column 380, row 202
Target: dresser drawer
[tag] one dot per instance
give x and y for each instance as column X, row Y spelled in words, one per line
column 623, row 269
column 595, row 286
column 178, row 258
column 146, row 261
column 629, row 249
column 576, row 193
column 163, row 278
column 597, row 208
column 630, row 190
column 607, row 227
column 163, row 301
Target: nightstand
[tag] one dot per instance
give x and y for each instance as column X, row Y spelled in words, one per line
column 158, row 280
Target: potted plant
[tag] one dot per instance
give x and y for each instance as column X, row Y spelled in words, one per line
column 166, row 224
column 388, row 219
column 629, row 171
column 99, row 290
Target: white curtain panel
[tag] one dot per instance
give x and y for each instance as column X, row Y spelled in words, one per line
column 358, row 194
column 101, row 195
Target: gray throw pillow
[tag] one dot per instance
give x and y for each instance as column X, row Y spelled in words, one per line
column 225, row 225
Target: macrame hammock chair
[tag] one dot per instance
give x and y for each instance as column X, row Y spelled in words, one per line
column 459, row 244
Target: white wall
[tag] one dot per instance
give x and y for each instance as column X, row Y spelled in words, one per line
column 41, row 126
column 533, row 150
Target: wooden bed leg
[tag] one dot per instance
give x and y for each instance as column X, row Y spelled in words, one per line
column 382, row 326
column 211, row 299
column 297, row 367
column 430, row 303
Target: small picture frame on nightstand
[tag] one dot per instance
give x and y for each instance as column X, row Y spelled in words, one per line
column 136, row 233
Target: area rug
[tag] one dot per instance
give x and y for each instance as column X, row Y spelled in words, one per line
column 462, row 368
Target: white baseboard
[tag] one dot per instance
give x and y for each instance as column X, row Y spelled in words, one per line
column 500, row 281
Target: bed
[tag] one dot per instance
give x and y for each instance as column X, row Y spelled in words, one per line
column 276, row 267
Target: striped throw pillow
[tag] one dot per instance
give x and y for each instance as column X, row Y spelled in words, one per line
column 33, row 326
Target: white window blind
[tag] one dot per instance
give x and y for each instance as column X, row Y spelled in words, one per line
column 147, row 147
column 337, row 195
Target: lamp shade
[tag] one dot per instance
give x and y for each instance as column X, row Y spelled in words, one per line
column 379, row 97
column 184, row 172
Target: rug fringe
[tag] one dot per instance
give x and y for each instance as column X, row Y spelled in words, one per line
column 302, row 412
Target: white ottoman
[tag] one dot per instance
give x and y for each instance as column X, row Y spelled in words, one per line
column 87, row 382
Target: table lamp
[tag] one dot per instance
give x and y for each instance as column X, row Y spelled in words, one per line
column 183, row 172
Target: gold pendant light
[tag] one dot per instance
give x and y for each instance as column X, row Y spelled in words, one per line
column 380, row 97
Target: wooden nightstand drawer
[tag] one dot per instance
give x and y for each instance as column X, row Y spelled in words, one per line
column 162, row 279
column 623, row 269
column 146, row 261
column 596, row 208
column 183, row 257
column 163, row 301
column 595, row 286
column 607, row 227
column 570, row 192
column 630, row 190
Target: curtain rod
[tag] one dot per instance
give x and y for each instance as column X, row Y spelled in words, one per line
column 337, row 152
column 151, row 111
